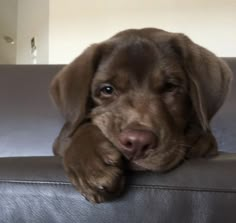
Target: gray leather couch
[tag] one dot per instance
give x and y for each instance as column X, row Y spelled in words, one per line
column 33, row 187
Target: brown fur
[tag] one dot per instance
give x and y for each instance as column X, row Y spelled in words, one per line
column 163, row 83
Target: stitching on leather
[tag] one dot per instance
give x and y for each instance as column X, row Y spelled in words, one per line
column 34, row 182
column 184, row 189
column 142, row 187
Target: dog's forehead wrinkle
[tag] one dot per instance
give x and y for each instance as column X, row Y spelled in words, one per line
column 135, row 57
column 131, row 62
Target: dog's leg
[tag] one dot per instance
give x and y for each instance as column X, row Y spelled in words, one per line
column 93, row 165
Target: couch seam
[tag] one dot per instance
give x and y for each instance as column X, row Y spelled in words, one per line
column 132, row 186
column 33, row 182
column 184, row 189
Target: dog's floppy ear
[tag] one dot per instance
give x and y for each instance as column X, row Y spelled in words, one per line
column 70, row 91
column 70, row 88
column 208, row 75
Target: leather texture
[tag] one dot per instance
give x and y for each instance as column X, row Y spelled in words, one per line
column 202, row 191
column 35, row 189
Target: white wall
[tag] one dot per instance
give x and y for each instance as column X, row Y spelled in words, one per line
column 74, row 24
column 32, row 21
column 8, row 17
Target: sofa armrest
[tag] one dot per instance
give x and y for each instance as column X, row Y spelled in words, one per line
column 35, row 189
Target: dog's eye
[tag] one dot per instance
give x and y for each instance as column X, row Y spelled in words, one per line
column 106, row 90
column 170, row 87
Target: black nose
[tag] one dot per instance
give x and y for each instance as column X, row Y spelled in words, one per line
column 136, row 142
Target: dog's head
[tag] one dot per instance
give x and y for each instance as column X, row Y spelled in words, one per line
column 152, row 93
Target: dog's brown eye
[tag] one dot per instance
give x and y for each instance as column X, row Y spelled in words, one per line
column 170, row 87
column 107, row 90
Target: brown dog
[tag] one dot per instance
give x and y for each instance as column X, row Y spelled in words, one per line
column 143, row 96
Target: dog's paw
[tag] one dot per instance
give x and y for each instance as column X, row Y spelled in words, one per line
column 97, row 171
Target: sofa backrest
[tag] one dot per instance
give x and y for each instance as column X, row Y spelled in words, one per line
column 224, row 123
column 30, row 122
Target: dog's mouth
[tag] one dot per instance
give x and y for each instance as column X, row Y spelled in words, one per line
column 164, row 154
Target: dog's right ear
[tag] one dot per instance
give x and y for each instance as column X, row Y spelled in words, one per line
column 70, row 88
column 70, row 91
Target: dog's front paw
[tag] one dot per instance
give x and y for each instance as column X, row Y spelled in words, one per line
column 95, row 169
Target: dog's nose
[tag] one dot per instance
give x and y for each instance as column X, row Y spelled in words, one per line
column 136, row 142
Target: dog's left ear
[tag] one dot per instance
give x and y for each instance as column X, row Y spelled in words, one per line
column 208, row 75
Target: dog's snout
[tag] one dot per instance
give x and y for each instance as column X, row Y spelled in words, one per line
column 136, row 142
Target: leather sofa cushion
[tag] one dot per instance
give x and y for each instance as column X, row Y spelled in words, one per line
column 201, row 191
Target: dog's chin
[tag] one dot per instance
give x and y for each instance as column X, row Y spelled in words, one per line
column 135, row 167
column 163, row 165
column 141, row 165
